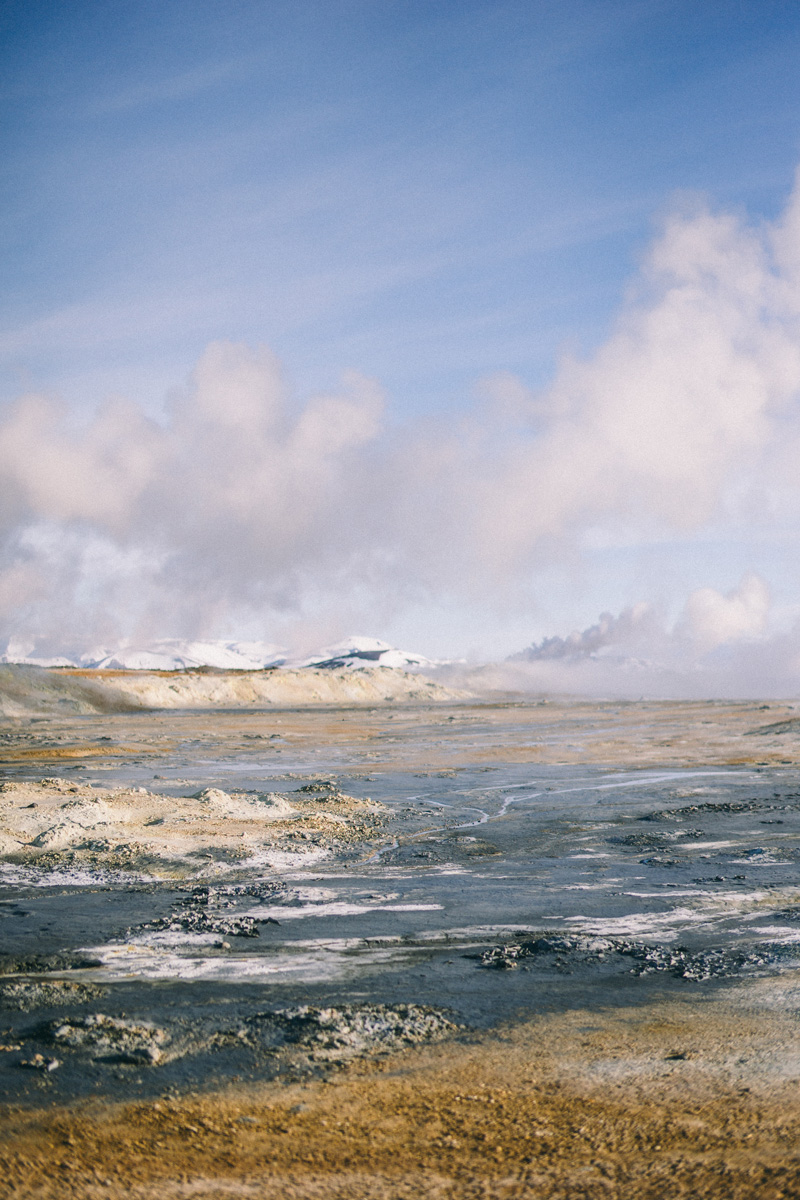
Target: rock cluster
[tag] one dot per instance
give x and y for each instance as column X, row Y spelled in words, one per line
column 112, row 1039
column 574, row 950
column 348, row 1030
column 28, row 994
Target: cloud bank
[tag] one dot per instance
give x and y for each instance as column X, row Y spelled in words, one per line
column 242, row 503
column 721, row 645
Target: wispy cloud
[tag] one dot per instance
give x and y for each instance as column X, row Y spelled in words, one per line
column 178, row 86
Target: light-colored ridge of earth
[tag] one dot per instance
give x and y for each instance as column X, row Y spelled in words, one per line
column 25, row 690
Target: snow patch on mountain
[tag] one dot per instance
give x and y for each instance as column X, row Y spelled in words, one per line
column 358, row 653
column 166, row 655
column 354, row 653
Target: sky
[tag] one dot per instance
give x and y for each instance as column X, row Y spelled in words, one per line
column 452, row 323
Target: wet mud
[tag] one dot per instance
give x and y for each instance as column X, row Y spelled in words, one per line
column 401, row 905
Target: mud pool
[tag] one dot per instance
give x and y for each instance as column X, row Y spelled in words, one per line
column 489, row 889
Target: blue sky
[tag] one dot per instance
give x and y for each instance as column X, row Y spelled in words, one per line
column 424, row 193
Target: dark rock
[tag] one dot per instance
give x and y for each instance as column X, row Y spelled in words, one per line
column 39, row 964
column 28, row 994
column 573, row 950
column 112, row 1039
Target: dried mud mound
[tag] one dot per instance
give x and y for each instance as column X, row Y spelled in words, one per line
column 56, row 824
column 336, row 1034
column 112, row 1039
column 567, row 953
column 27, row 995
column 300, row 1039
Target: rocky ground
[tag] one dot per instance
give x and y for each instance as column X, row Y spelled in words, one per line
column 435, row 736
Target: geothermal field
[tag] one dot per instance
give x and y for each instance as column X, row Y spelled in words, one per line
column 360, row 935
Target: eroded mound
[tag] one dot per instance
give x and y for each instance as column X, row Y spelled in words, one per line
column 112, row 1039
column 349, row 1030
column 56, row 823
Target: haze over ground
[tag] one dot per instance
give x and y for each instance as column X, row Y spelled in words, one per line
column 452, row 324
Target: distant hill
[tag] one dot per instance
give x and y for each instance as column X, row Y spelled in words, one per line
column 354, row 653
column 26, row 690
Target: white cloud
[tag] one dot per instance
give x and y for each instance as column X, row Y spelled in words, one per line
column 243, row 501
column 690, row 402
column 222, row 504
column 721, row 645
column 712, row 619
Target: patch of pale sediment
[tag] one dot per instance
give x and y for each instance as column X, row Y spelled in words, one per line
column 48, row 876
column 289, row 864
column 55, row 824
column 315, row 961
column 776, row 934
column 700, row 909
column 207, row 957
column 207, row 954
column 335, row 908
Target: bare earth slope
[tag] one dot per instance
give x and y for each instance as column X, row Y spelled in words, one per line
column 26, row 690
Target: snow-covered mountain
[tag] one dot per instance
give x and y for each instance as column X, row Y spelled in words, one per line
column 20, row 658
column 176, row 655
column 165, row 655
column 355, row 653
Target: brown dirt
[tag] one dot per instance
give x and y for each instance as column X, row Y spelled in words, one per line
column 675, row 1099
column 47, row 754
column 645, row 734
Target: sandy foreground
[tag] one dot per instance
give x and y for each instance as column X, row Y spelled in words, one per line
column 668, row 1099
column 688, row 1091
